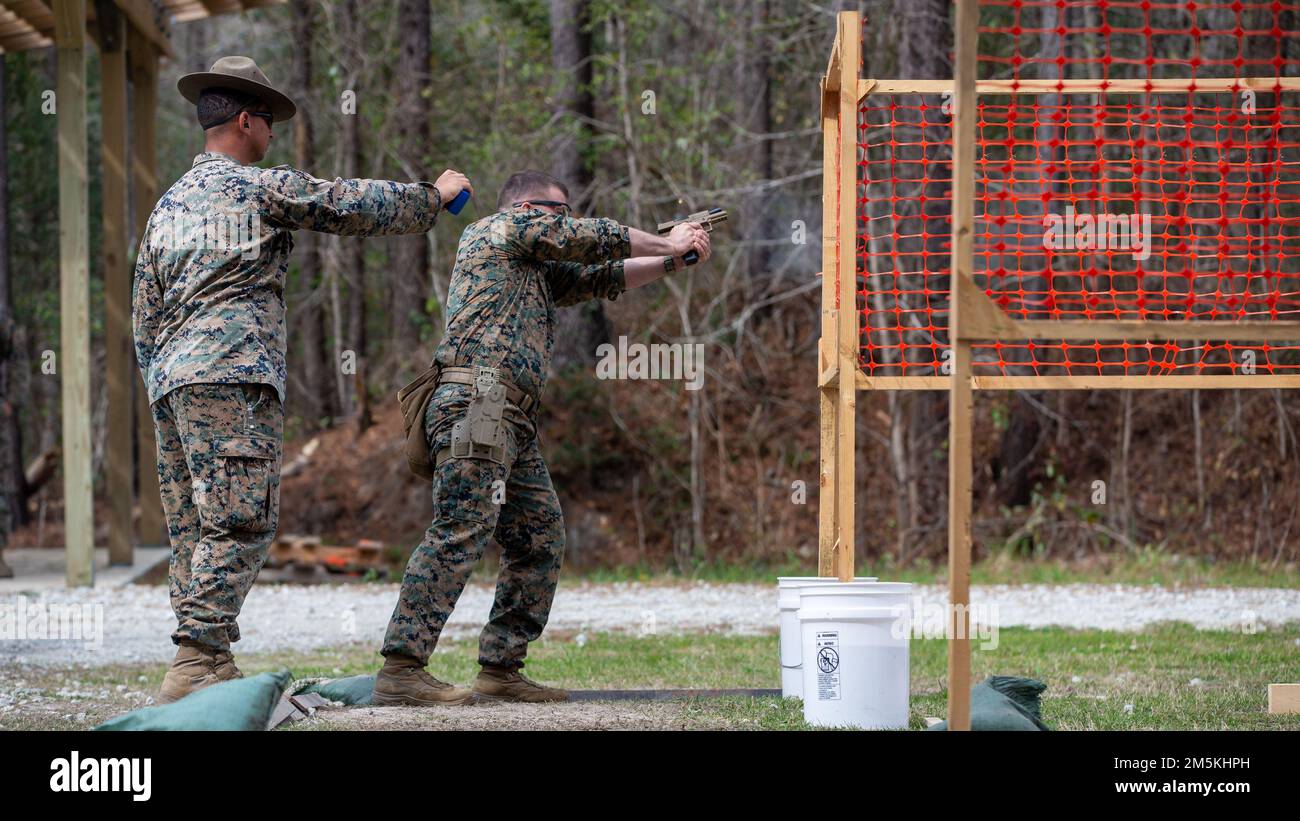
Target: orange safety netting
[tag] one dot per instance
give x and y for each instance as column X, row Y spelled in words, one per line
column 1133, row 205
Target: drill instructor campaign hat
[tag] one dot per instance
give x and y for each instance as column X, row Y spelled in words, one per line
column 240, row 74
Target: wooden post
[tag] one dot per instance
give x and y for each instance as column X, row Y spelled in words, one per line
column 828, row 345
column 143, row 57
column 74, row 290
column 119, row 353
column 959, row 412
column 848, row 342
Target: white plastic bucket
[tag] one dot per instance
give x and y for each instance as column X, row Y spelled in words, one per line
column 855, row 642
column 788, row 601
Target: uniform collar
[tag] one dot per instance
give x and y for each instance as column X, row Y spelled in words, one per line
column 210, row 156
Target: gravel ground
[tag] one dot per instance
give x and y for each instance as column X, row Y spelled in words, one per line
column 137, row 620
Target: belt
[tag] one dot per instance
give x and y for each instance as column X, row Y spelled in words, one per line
column 526, row 402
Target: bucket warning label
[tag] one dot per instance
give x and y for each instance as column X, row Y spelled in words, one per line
column 828, row 666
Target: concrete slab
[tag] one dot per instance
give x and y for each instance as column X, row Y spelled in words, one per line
column 43, row 568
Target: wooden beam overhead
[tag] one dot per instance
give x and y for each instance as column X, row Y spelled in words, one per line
column 29, row 24
column 141, row 15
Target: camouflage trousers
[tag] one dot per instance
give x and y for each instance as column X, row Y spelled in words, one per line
column 219, row 452
column 473, row 500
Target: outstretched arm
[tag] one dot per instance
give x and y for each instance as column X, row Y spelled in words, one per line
column 640, row 271
column 294, row 200
column 542, row 236
column 572, row 283
column 681, row 240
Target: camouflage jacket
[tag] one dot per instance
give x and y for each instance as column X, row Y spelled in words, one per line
column 208, row 299
column 513, row 269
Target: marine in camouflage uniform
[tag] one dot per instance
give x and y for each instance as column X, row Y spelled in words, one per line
column 513, row 269
column 209, row 320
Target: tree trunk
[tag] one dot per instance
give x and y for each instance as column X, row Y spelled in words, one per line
column 925, row 46
column 316, row 399
column 574, row 105
column 1015, row 468
column 409, row 284
column 755, row 86
column 351, row 251
column 580, row 329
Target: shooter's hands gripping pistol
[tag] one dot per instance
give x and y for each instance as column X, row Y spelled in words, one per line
column 706, row 219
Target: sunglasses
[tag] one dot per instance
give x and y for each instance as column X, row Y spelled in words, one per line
column 265, row 115
column 553, row 203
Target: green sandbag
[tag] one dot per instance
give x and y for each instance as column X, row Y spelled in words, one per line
column 354, row 690
column 242, row 704
column 1004, row 703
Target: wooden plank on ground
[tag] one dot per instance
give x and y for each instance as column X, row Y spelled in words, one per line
column 1284, row 699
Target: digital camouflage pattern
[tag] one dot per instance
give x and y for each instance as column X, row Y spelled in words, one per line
column 208, row 304
column 219, row 454
column 472, row 500
column 209, row 319
column 512, row 270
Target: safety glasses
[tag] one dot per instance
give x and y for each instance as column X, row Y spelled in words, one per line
column 563, row 206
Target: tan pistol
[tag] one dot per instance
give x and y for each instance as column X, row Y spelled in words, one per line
column 707, row 219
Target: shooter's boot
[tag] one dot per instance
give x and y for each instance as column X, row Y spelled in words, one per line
column 193, row 669
column 403, row 680
column 225, row 666
column 509, row 684
column 6, row 572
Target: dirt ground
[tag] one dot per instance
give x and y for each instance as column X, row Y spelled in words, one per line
column 632, row 715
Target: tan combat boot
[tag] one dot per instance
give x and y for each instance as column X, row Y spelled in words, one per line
column 225, row 666
column 193, row 669
column 403, row 680
column 507, row 684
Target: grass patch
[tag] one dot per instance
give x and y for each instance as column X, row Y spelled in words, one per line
column 1167, row 677
column 1151, row 567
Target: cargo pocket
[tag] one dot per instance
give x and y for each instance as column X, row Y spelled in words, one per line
column 244, row 484
column 467, row 489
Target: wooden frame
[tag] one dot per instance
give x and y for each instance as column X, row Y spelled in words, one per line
column 838, row 347
column 119, row 348
column 973, row 316
column 132, row 37
column 74, row 289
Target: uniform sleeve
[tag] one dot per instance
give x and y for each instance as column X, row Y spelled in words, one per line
column 146, row 308
column 293, row 200
column 538, row 235
column 572, row 282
